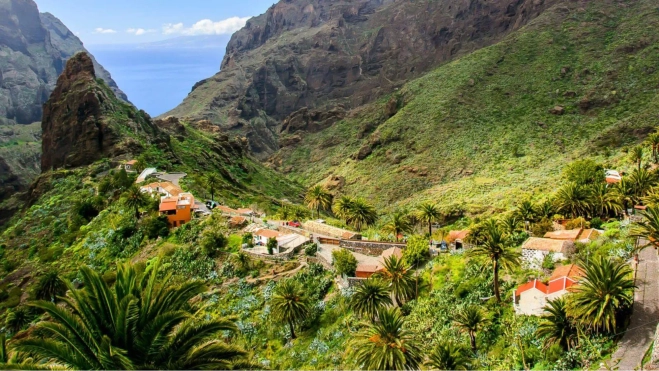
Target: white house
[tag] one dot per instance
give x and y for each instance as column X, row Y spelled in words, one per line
column 262, row 236
column 532, row 297
column 535, row 249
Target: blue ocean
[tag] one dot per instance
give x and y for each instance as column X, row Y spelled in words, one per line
column 157, row 80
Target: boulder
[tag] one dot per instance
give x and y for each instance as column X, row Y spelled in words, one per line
column 557, row 110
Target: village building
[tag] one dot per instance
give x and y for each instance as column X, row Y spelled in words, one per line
column 575, row 235
column 457, row 239
column 261, row 236
column 237, row 222
column 245, row 212
column 535, row 249
column 612, row 177
column 532, row 297
column 178, row 209
column 367, row 270
column 129, row 166
column 165, row 189
column 227, row 211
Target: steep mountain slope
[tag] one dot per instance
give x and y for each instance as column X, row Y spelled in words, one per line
column 479, row 133
column 305, row 63
column 88, row 131
column 34, row 48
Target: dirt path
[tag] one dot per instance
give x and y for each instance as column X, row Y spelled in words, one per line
column 645, row 317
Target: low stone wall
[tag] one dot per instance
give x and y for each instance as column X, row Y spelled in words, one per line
column 329, row 230
column 288, row 255
column 372, row 248
column 654, row 359
column 318, row 259
column 355, row 281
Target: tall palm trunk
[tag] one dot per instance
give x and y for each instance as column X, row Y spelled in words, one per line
column 472, row 339
column 430, row 230
column 496, row 279
column 290, row 324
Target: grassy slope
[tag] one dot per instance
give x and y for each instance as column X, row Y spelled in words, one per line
column 21, row 148
column 488, row 113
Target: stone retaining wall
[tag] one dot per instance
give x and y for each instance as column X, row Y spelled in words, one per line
column 288, row 255
column 318, row 259
column 328, row 230
column 372, row 248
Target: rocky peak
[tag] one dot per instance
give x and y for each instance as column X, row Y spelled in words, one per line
column 83, row 121
column 322, row 56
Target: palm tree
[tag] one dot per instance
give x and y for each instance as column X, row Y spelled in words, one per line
column 284, row 212
column 604, row 201
column 343, row 208
column 556, row 327
column 648, row 228
column 211, row 182
column 471, row 320
column 636, row 155
column 290, row 304
column 606, row 288
column 242, row 260
column 17, row 318
column 448, row 356
column 136, row 324
column 653, row 141
column 370, row 297
column 398, row 223
column 299, row 213
column 525, row 211
column 573, row 199
column 624, row 192
column 386, row 345
column 495, row 245
column 399, row 276
column 135, row 199
column 318, row 198
column 49, row 286
column 652, row 198
column 429, row 213
column 545, row 209
column 362, row 214
column 642, row 182
column 510, row 224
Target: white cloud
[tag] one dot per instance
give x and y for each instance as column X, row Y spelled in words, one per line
column 206, row 27
column 139, row 31
column 104, row 30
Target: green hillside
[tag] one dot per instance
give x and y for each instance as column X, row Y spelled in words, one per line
column 477, row 133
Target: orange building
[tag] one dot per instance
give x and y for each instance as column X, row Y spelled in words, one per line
column 178, row 209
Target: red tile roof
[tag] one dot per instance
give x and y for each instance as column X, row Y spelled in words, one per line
column 560, row 284
column 368, row 268
column 237, row 220
column 168, row 204
column 267, row 233
column 570, row 235
column 535, row 284
column 546, row 244
column 571, row 270
column 131, row 162
column 612, row 180
column 457, row 235
column 394, row 251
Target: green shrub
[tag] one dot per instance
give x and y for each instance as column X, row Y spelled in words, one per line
column 577, row 223
column 248, row 238
column 18, row 318
column 540, row 228
column 14, row 297
column 213, row 242
column 344, row 262
column 311, row 249
column 596, row 223
column 154, row 226
column 548, row 261
column 272, row 245
column 417, row 251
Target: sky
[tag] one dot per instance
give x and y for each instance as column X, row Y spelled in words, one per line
column 98, row 22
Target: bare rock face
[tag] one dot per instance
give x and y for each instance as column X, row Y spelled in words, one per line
column 305, row 57
column 82, row 121
column 33, row 51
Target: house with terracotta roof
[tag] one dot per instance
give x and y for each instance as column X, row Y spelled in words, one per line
column 165, row 189
column 612, row 177
column 367, row 270
column 262, row 236
column 227, row 211
column 532, row 297
column 535, row 249
column 237, row 222
column 456, row 239
column 178, row 209
column 245, row 212
column 575, row 235
column 130, row 165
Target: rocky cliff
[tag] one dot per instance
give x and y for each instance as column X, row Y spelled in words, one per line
column 305, row 59
column 33, row 51
column 84, row 122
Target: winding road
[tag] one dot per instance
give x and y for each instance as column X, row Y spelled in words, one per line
column 645, row 317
